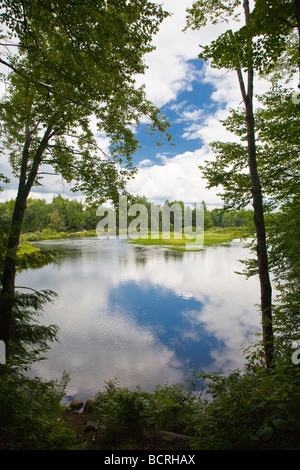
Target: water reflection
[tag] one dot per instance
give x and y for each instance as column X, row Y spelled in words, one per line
column 144, row 315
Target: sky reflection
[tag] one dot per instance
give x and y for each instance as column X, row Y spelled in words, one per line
column 143, row 315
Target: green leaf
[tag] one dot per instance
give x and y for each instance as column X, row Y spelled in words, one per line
column 265, row 433
column 280, row 423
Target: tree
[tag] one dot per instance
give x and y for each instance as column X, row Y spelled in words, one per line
column 277, row 148
column 278, row 132
column 36, row 215
column 255, row 46
column 73, row 61
column 56, row 222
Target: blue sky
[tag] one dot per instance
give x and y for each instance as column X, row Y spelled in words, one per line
column 187, row 114
column 189, row 107
column 193, row 96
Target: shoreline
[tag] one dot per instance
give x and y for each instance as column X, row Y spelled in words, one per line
column 215, row 236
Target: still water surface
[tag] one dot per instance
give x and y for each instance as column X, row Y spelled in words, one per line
column 143, row 315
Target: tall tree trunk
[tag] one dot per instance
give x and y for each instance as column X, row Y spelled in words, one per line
column 7, row 295
column 262, row 256
column 9, row 271
column 259, row 221
column 297, row 13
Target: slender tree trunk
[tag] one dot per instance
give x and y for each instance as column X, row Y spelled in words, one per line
column 262, row 256
column 259, row 221
column 9, row 272
column 297, row 13
column 7, row 295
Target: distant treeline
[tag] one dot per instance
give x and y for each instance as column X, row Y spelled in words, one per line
column 64, row 215
column 61, row 215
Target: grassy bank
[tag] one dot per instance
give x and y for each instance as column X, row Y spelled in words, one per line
column 49, row 234
column 29, row 256
column 173, row 241
column 211, row 237
column 222, row 235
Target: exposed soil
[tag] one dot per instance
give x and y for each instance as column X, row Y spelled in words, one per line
column 79, row 423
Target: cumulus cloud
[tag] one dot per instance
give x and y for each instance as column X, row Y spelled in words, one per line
column 169, row 70
column 169, row 67
column 179, row 178
column 146, row 162
column 173, row 68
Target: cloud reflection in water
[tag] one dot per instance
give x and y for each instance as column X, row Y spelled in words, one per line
column 144, row 315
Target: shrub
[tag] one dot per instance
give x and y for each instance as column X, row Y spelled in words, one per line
column 257, row 409
column 173, row 407
column 120, row 410
column 30, row 414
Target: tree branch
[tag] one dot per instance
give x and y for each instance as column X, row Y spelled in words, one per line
column 38, row 158
column 242, row 85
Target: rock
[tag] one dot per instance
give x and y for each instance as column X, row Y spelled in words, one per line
column 174, row 438
column 76, row 405
column 91, row 426
column 88, row 406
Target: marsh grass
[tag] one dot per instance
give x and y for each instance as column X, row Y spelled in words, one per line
column 211, row 237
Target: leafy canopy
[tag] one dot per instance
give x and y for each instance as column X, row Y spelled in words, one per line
column 277, row 145
column 268, row 33
column 75, row 61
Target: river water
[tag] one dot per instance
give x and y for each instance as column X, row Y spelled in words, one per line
column 143, row 315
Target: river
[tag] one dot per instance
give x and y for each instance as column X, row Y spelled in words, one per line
column 144, row 315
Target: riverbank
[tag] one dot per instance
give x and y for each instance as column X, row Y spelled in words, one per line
column 173, row 241
column 88, row 437
column 32, row 256
column 210, row 237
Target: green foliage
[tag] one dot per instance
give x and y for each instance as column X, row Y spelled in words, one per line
column 213, row 11
column 75, row 62
column 30, row 414
column 267, row 36
column 28, row 339
column 253, row 410
column 43, row 220
column 29, row 256
column 278, row 136
column 121, row 411
column 277, row 128
column 173, row 408
column 284, row 239
column 59, row 215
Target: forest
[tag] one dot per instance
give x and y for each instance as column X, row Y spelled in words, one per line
column 64, row 215
column 68, row 63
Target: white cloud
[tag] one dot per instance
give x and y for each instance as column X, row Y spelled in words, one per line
column 210, row 129
column 179, row 178
column 169, row 72
column 168, row 69
column 189, row 116
column 145, row 162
